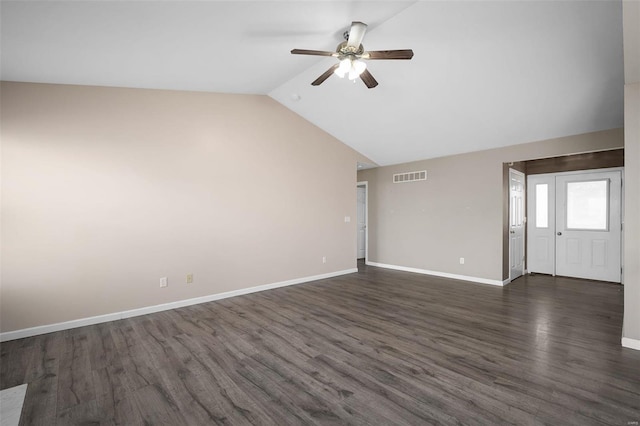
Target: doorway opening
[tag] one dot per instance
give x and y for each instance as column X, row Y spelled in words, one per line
column 362, row 214
column 575, row 224
column 587, row 162
column 517, row 196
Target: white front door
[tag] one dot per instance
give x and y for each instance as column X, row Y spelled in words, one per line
column 574, row 224
column 516, row 224
column 362, row 222
column 588, row 228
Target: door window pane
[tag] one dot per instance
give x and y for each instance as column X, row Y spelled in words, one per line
column 587, row 205
column 542, row 205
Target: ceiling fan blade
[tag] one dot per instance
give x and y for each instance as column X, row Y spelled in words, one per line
column 356, row 34
column 312, row 52
column 318, row 81
column 389, row 54
column 368, row 79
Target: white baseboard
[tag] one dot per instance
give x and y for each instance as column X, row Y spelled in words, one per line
column 631, row 343
column 441, row 274
column 50, row 328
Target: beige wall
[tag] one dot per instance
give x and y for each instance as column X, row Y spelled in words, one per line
column 631, row 40
column 458, row 211
column 631, row 22
column 106, row 190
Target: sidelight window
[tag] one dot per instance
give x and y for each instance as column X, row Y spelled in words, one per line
column 542, row 205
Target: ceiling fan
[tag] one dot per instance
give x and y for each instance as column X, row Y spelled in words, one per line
column 351, row 55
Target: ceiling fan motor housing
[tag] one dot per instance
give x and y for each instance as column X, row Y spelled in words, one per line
column 344, row 50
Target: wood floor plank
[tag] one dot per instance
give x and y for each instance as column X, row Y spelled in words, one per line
column 75, row 381
column 374, row 347
column 212, row 393
column 139, row 368
column 235, row 390
column 157, row 407
column 14, row 362
column 44, row 360
column 114, row 401
column 40, row 403
column 85, row 413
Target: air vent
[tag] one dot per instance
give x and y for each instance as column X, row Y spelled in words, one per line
column 410, row 176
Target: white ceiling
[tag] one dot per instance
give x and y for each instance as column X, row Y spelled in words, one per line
column 485, row 74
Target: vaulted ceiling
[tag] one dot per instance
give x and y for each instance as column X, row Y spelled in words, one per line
column 485, row 74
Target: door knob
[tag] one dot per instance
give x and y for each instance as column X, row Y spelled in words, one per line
column 512, row 232
column 559, row 233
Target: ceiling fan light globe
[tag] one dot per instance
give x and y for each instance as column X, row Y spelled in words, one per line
column 359, row 66
column 343, row 68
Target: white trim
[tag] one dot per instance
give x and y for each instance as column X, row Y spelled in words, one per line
column 50, row 328
column 631, row 343
column 441, row 274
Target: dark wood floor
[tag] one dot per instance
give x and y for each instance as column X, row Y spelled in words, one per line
column 376, row 347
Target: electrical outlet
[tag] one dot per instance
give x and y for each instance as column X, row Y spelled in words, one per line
column 164, row 281
column 324, row 259
column 189, row 278
column 462, row 260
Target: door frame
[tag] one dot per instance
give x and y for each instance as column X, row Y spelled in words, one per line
column 524, row 225
column 366, row 219
column 622, row 203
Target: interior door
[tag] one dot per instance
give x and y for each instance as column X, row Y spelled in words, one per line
column 588, row 225
column 516, row 224
column 362, row 221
